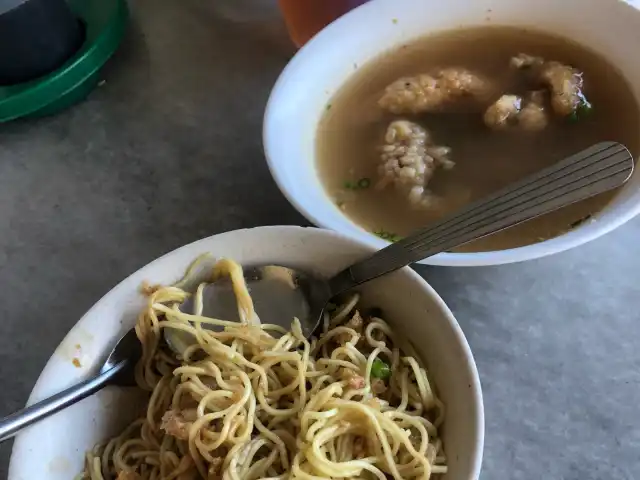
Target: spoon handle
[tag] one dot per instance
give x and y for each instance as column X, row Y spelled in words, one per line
column 12, row 424
column 599, row 168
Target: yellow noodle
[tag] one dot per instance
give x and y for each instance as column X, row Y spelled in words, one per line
column 251, row 401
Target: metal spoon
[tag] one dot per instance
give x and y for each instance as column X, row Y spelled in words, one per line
column 281, row 293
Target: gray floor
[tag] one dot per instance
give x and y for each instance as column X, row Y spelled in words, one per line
column 168, row 151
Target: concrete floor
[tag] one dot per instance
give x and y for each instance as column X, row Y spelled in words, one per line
column 169, row 150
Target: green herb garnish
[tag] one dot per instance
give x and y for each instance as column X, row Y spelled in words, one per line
column 580, row 221
column 582, row 111
column 391, row 237
column 364, row 183
column 380, row 369
column 361, row 184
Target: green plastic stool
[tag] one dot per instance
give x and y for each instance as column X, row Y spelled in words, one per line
column 105, row 22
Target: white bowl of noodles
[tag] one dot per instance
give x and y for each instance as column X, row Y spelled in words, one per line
column 55, row 448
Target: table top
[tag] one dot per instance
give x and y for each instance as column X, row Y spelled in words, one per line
column 168, row 150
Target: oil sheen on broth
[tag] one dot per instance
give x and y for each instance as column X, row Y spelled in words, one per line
column 353, row 128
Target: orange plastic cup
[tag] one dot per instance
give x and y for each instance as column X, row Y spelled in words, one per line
column 305, row 18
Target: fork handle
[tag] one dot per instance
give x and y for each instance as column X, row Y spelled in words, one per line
column 597, row 169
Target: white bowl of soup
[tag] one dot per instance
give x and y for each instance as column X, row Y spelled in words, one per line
column 403, row 111
column 429, row 405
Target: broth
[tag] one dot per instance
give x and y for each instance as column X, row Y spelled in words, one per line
column 353, row 128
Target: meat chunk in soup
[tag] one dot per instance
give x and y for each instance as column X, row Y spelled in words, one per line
column 434, row 91
column 409, row 160
column 512, row 111
column 565, row 83
column 523, row 60
column 504, row 112
column 533, row 116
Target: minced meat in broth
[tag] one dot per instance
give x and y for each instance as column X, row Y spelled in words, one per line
column 423, row 130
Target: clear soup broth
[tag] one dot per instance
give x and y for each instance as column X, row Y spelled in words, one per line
column 352, row 131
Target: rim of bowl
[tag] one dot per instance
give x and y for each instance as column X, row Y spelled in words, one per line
column 476, row 388
column 566, row 241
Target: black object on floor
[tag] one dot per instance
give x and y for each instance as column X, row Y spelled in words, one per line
column 103, row 24
column 36, row 37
